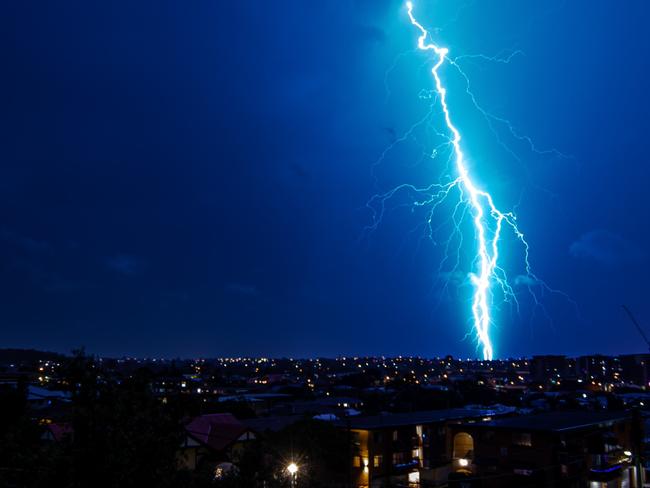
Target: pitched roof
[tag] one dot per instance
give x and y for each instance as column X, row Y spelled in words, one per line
column 59, row 431
column 217, row 431
column 38, row 393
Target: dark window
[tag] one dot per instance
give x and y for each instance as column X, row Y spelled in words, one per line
column 522, row 439
column 398, row 457
column 356, row 439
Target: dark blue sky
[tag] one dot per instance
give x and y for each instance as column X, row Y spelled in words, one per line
column 190, row 178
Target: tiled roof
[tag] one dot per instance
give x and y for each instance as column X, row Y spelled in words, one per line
column 217, row 431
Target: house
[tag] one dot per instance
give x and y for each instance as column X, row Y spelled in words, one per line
column 259, row 402
column 39, row 398
column 337, row 405
column 212, row 437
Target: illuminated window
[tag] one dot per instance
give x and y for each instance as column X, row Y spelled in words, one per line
column 394, row 435
column 414, row 477
column 377, row 460
column 356, row 461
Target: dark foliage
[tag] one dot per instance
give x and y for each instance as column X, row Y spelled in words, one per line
column 122, row 436
column 319, row 449
column 28, row 356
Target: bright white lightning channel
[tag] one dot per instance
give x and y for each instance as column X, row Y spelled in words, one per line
column 487, row 219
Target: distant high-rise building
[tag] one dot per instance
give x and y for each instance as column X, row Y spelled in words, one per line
column 635, row 368
column 544, row 368
column 598, row 369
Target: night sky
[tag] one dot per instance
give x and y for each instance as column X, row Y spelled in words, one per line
column 191, row 178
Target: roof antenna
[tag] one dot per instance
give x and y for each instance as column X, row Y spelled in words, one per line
column 636, row 324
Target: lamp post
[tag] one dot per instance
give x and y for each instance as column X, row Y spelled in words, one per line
column 292, row 469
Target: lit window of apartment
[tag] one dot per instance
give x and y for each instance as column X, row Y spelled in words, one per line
column 377, row 460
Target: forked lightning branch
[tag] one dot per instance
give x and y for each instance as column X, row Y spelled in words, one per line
column 488, row 221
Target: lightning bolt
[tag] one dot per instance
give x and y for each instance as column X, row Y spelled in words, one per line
column 481, row 202
column 488, row 221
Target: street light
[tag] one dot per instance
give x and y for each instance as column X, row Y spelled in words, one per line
column 293, row 471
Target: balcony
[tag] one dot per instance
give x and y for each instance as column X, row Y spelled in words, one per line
column 609, row 466
column 606, row 473
column 413, row 463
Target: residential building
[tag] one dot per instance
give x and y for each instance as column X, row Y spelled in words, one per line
column 565, row 449
column 212, row 437
column 407, row 448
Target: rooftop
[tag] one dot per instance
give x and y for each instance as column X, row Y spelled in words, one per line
column 556, row 421
column 411, row 418
column 218, row 430
column 273, row 424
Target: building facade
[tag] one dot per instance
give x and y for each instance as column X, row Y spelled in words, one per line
column 559, row 449
column 405, row 449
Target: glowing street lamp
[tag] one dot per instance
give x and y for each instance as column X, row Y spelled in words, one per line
column 292, row 469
